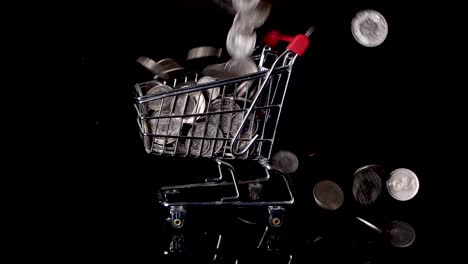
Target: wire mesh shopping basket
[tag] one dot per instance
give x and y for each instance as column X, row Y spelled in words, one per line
column 196, row 115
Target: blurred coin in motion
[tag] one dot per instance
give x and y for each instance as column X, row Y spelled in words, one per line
column 285, row 161
column 203, row 52
column 400, row 234
column 328, row 195
column 369, row 28
column 248, row 20
column 403, row 184
column 367, row 184
column 367, row 223
column 239, row 44
column 244, row 5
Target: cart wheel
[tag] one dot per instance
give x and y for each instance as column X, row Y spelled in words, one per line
column 177, row 217
column 276, row 216
column 177, row 223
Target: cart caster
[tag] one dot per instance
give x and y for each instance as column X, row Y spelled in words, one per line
column 276, row 216
column 177, row 243
column 177, row 217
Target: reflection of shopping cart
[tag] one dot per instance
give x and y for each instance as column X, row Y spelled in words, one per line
column 234, row 117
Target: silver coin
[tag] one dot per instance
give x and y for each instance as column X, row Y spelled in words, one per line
column 165, row 126
column 161, row 148
column 200, row 105
column 285, row 161
column 228, row 122
column 328, row 195
column 367, row 223
column 244, row 5
column 143, row 88
column 217, row 71
column 401, row 234
column 240, row 45
column 244, row 23
column 204, row 147
column 369, row 28
column 367, row 184
column 157, row 104
column 168, row 66
column 185, row 105
column 149, row 64
column 247, row 21
column 241, row 67
column 204, row 51
column 184, row 84
column 247, row 133
column 211, row 93
column 161, row 68
column 403, row 184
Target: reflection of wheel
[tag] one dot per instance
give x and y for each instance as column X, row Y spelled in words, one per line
column 275, row 221
column 177, row 216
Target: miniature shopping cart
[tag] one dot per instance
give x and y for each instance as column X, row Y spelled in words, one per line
column 202, row 115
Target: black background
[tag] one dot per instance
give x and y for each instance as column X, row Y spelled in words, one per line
column 351, row 105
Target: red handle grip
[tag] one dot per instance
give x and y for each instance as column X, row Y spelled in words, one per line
column 297, row 44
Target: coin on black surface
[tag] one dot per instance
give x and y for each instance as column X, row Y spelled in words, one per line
column 403, row 184
column 328, row 195
column 369, row 28
column 400, row 234
column 367, row 184
column 285, row 161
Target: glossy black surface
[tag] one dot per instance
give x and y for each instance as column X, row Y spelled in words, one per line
column 348, row 105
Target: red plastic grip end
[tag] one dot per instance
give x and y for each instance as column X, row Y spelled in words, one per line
column 272, row 38
column 299, row 44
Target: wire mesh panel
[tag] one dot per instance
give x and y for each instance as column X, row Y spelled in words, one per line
column 197, row 115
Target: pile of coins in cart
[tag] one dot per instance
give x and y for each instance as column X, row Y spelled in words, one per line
column 191, row 114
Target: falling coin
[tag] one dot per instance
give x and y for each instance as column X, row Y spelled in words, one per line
column 244, row 5
column 328, row 195
column 367, row 185
column 400, row 234
column 203, row 52
column 285, row 161
column 369, row 28
column 247, row 21
column 403, row 184
column 367, row 223
column 240, row 45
